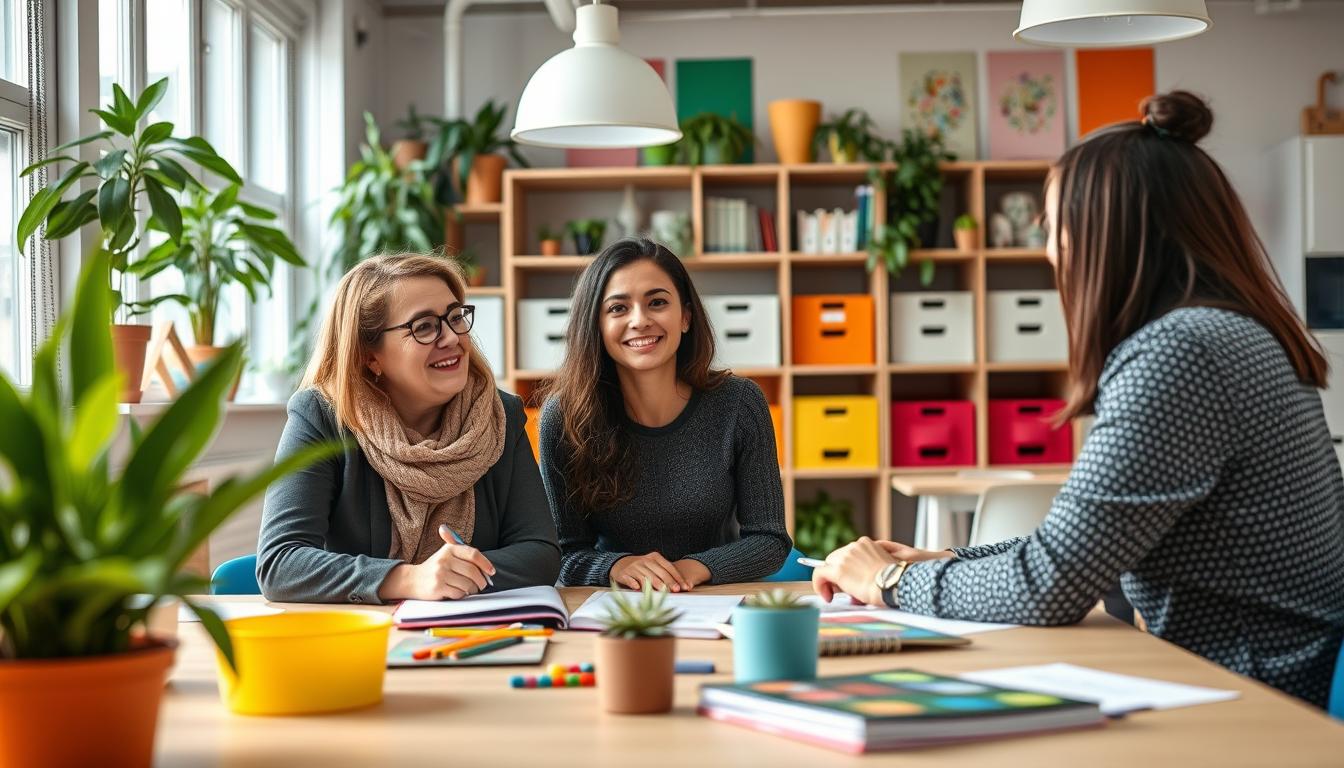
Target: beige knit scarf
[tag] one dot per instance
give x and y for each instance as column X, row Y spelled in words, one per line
column 430, row 480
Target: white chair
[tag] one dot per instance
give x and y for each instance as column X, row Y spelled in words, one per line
column 1007, row 511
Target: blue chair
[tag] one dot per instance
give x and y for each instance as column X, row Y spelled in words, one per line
column 236, row 577
column 1336, row 707
column 792, row 570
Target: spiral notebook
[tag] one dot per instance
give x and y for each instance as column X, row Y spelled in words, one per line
column 844, row 634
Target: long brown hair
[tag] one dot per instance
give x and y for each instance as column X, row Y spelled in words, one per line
column 351, row 330
column 600, row 465
column 1147, row 223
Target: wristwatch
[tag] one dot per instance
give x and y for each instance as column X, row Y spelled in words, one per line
column 887, row 580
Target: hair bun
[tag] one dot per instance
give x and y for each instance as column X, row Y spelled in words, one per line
column 1179, row 115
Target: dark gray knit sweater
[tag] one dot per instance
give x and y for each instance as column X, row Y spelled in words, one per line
column 707, row 487
column 1210, row 485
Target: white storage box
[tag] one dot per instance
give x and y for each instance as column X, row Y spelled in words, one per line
column 746, row 330
column 1026, row 327
column 488, row 330
column 933, row 327
column 541, row 333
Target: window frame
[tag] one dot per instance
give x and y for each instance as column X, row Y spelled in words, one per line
column 15, row 103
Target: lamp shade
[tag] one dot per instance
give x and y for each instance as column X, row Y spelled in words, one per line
column 1110, row 23
column 595, row 95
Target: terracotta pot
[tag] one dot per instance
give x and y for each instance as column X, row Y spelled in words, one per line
column 406, row 151
column 95, row 710
column 635, row 676
column 965, row 239
column 793, row 122
column 200, row 355
column 477, row 278
column 485, row 183
column 129, row 345
column 550, row 247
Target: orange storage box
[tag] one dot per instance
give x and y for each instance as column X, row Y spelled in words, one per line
column 833, row 330
column 777, row 417
column 533, row 427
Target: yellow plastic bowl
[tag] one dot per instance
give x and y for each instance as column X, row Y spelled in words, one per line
column 300, row 663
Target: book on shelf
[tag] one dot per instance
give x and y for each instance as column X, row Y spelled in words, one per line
column 736, row 226
column 897, row 709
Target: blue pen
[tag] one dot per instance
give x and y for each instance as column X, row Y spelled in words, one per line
column 459, row 540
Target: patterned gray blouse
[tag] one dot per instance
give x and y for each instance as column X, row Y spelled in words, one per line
column 1209, row 487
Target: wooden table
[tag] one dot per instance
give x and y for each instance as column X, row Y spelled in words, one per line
column 937, row 525
column 469, row 717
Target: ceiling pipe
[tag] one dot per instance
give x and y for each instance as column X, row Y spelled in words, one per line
column 561, row 12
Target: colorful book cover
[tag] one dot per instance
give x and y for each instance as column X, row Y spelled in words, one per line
column 889, row 710
column 1026, row 105
column 1111, row 84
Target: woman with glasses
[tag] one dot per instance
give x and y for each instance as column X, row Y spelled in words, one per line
column 659, row 469
column 437, row 494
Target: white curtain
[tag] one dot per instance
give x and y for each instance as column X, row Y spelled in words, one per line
column 42, row 269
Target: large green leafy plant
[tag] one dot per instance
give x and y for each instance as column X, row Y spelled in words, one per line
column 224, row 241
column 852, row 136
column 79, row 542
column 914, row 189
column 823, row 525
column 384, row 208
column 140, row 168
column 463, row 141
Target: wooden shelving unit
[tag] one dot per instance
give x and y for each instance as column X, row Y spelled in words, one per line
column 535, row 196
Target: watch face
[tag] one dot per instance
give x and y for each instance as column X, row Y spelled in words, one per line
column 889, row 575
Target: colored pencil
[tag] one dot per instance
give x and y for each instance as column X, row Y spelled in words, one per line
column 464, row 633
column 494, row 645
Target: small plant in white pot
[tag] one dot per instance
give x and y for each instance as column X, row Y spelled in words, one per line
column 636, row 653
column 775, row 637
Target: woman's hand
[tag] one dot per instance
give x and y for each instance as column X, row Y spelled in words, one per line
column 693, row 572
column 633, row 570
column 453, row 572
column 853, row 568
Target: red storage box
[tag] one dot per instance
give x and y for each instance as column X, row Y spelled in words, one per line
column 933, row 433
column 1020, row 433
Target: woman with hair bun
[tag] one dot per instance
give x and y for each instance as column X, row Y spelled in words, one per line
column 1208, row 486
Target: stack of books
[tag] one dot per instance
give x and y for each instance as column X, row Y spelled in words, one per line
column 738, row 226
column 837, row 230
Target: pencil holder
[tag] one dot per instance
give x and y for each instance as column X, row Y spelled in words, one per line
column 775, row 643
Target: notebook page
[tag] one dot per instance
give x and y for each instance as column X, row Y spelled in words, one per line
column 700, row 614
column 509, row 599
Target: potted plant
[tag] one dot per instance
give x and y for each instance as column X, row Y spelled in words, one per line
column 550, row 240
column 636, row 653
column 664, row 154
column 774, row 638
column 412, row 146
column 850, row 137
column 224, row 241
column 466, row 152
column 712, row 139
column 383, row 208
column 914, row 190
column 964, row 230
column 823, row 525
column 793, row 123
column 139, row 169
column 87, row 553
column 587, row 234
column 475, row 272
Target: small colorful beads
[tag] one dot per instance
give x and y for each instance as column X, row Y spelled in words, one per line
column 587, row 679
column 567, row 680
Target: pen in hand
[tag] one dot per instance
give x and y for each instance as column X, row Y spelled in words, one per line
column 445, row 528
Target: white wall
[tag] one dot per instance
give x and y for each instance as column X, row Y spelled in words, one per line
column 1257, row 71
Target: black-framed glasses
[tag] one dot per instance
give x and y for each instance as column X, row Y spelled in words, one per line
column 428, row 329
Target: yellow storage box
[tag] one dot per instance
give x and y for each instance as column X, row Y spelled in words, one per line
column 835, row 431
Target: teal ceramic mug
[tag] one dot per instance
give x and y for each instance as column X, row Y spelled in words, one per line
column 775, row 643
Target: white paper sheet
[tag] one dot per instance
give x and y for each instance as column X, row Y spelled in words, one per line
column 946, row 626
column 1117, row 694
column 228, row 611
column 520, row 600
column 700, row 614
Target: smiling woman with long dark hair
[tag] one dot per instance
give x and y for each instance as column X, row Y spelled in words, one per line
column 658, row 467
column 1208, row 485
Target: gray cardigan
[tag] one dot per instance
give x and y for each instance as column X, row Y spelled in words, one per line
column 326, row 532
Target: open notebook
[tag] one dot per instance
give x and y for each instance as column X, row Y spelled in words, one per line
column 540, row 605
column 700, row 614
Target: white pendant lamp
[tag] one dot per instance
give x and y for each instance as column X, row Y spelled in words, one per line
column 595, row 95
column 1110, row 23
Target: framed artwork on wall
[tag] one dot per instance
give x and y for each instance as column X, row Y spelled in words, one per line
column 938, row 92
column 1026, row 105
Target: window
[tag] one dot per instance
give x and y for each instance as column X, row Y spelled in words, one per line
column 16, row 294
column 239, row 103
